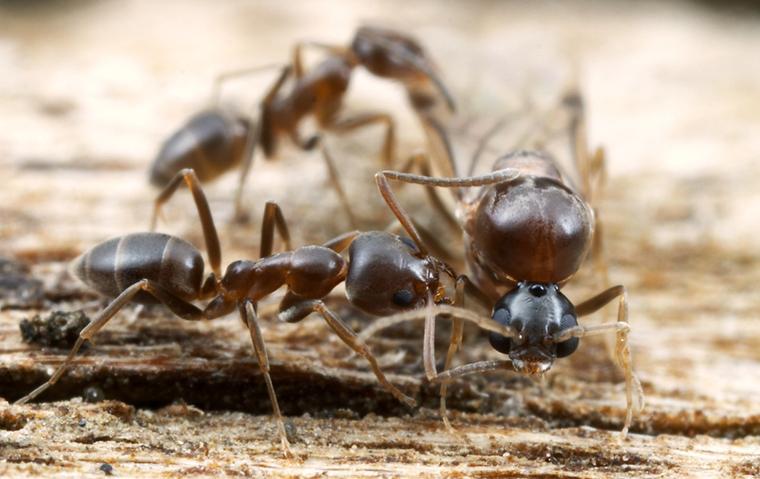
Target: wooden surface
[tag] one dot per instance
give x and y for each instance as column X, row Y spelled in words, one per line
column 88, row 93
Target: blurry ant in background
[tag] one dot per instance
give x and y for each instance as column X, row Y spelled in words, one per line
column 384, row 274
column 527, row 230
column 218, row 140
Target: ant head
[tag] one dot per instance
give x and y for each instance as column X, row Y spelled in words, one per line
column 537, row 312
column 387, row 274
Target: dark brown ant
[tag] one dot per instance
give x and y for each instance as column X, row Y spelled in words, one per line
column 527, row 231
column 217, row 140
column 384, row 274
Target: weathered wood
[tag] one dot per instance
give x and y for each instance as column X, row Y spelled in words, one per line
column 186, row 399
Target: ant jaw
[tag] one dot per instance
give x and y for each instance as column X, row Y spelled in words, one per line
column 532, row 368
column 532, row 361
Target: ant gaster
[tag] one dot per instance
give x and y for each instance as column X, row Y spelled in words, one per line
column 217, row 140
column 384, row 274
column 527, row 231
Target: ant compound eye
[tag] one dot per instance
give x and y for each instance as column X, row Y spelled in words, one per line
column 499, row 342
column 566, row 348
column 502, row 316
column 403, row 298
column 537, row 290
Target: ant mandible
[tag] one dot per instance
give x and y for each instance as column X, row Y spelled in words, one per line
column 217, row 140
column 384, row 274
column 527, row 232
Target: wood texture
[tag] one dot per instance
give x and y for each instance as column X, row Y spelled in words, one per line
column 87, row 95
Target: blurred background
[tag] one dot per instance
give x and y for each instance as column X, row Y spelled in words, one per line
column 90, row 89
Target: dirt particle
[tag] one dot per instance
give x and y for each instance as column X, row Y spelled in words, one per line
column 59, row 329
column 10, row 421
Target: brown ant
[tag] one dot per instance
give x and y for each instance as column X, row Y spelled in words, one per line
column 527, row 231
column 217, row 140
column 384, row 274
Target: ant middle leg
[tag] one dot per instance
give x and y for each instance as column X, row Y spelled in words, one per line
column 633, row 390
column 341, row 242
column 248, row 314
column 348, row 336
column 464, row 288
column 210, row 236
column 178, row 306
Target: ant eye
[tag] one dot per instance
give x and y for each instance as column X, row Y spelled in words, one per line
column 566, row 348
column 403, row 297
column 499, row 342
column 537, row 290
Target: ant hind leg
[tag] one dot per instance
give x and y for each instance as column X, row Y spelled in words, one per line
column 179, row 307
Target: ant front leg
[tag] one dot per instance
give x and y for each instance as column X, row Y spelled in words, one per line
column 210, row 236
column 299, row 311
column 178, row 306
column 248, row 314
column 622, row 349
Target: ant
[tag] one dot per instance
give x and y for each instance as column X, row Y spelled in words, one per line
column 527, row 231
column 384, row 274
column 217, row 140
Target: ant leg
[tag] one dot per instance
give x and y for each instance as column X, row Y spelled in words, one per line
column 480, row 321
column 463, row 284
column 436, row 246
column 382, row 177
column 340, row 243
column 367, row 119
column 349, row 337
column 422, row 163
column 179, row 307
column 477, row 367
column 273, row 217
column 332, row 171
column 254, row 134
column 298, row 69
column 457, row 329
column 622, row 350
column 440, row 145
column 248, row 313
column 210, row 236
column 232, row 74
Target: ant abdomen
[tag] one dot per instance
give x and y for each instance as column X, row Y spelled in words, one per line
column 211, row 143
column 116, row 264
column 532, row 227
